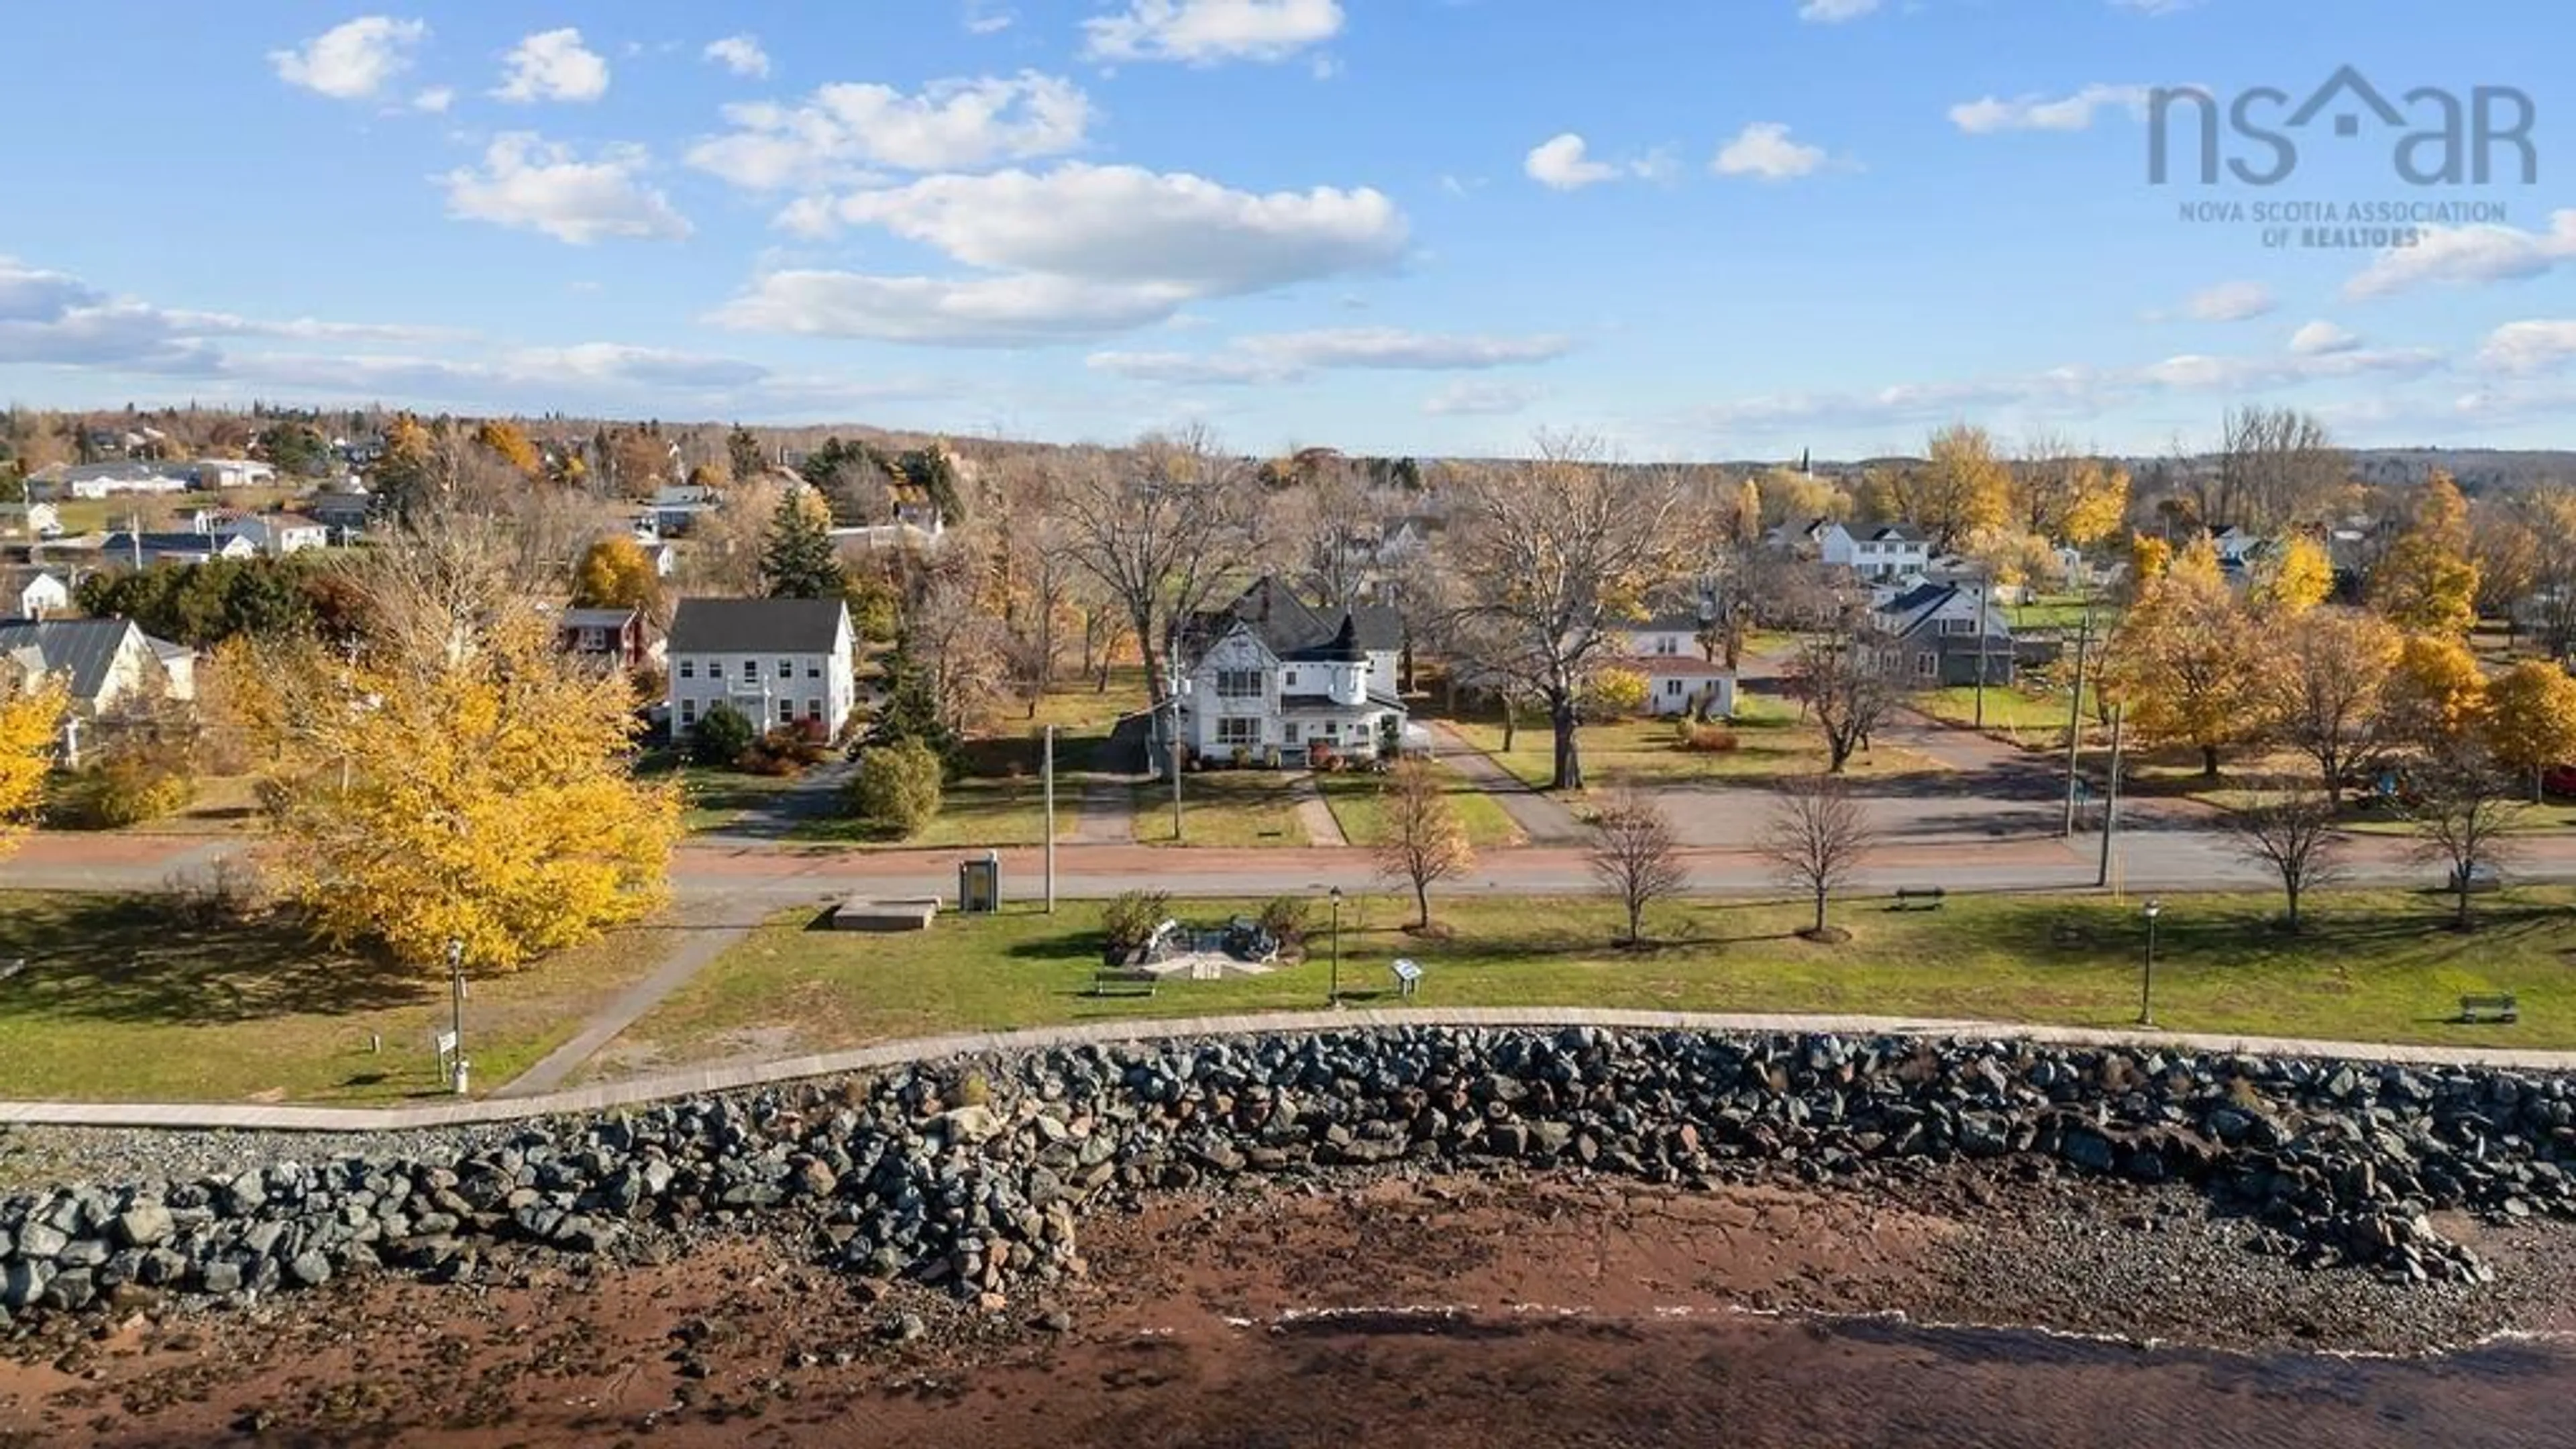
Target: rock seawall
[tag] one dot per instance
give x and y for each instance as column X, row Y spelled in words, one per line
column 971, row 1174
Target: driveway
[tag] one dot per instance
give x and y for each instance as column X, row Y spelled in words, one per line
column 1542, row 820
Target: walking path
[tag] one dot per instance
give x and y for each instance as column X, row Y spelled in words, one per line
column 724, row 1078
column 1322, row 826
column 1542, row 821
column 701, row 940
column 1104, row 814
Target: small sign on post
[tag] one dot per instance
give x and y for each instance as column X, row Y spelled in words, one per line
column 1408, row 975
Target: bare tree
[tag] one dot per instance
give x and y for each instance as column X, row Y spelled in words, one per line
column 1161, row 527
column 2463, row 807
column 1843, row 682
column 1636, row 856
column 1550, row 556
column 956, row 642
column 2277, row 467
column 1424, row 843
column 2292, row 831
column 2329, row 691
column 1331, row 522
column 1816, row 838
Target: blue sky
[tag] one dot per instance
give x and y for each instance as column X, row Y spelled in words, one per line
column 1732, row 230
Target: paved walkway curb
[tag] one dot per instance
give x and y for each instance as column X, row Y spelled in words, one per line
column 203, row 1116
column 703, row 942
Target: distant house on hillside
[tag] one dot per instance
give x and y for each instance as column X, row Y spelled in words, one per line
column 146, row 549
column 101, row 480
column 1931, row 635
column 275, row 534
column 44, row 596
column 777, row 661
column 1873, row 551
column 30, row 520
column 616, row 638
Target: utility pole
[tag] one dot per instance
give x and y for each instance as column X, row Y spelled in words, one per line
column 1172, row 688
column 2111, row 799
column 1985, row 601
column 134, row 538
column 1047, row 772
column 2075, row 718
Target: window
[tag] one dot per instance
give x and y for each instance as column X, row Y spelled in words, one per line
column 1958, row 626
column 787, row 669
column 813, row 709
column 1668, row 644
column 1289, row 681
column 1672, row 688
column 1288, row 732
column 787, row 711
column 813, row 669
column 1238, row 684
column 688, row 711
column 1926, row 663
column 1240, row 730
column 688, row 669
column 750, row 670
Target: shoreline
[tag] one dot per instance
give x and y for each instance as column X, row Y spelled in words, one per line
column 1263, row 1317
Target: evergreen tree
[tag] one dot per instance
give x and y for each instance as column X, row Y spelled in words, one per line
column 744, row 452
column 797, row 560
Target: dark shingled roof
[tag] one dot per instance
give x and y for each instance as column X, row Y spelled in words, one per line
column 1292, row 630
column 756, row 626
column 85, row 649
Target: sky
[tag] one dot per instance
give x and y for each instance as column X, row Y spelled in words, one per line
column 1738, row 229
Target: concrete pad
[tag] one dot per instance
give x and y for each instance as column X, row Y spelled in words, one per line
column 866, row 913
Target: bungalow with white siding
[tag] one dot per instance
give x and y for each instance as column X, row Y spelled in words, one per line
column 43, row 597
column 30, row 520
column 275, row 534
column 105, row 662
column 1682, row 683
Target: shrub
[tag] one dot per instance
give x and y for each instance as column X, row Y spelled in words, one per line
column 129, row 789
column 1287, row 919
column 229, row 893
column 1129, row 921
column 1615, row 693
column 785, row 750
column 1707, row 739
column 898, row 786
column 723, row 735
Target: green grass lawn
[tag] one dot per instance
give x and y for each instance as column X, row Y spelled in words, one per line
column 2370, row 966
column 1359, row 807
column 718, row 799
column 1224, row 808
column 121, row 1001
column 972, row 812
column 2062, row 611
column 1771, row 742
column 2033, row 721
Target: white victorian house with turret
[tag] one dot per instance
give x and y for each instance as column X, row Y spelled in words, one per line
column 1268, row 679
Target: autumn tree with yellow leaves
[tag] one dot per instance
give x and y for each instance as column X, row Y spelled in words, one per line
column 509, row 442
column 2530, row 719
column 2427, row 582
column 459, row 779
column 2328, row 686
column 2437, row 697
column 30, row 712
column 616, row 573
column 1960, row 488
column 2292, row 579
column 2183, row 662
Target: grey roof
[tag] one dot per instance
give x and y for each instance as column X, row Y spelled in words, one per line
column 168, row 543
column 1897, row 533
column 1291, row 629
column 1381, row 628
column 596, row 618
column 757, row 626
column 85, row 649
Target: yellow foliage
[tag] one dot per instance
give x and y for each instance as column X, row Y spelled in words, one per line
column 488, row 803
column 28, row 718
column 511, row 446
column 2427, row 581
column 1616, row 693
column 2184, row 660
column 2149, row 557
column 2099, row 499
column 615, row 573
column 2531, row 716
column 2294, row 580
column 2438, row 691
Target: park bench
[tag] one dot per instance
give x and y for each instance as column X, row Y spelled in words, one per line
column 2489, row 1008
column 1128, row 982
column 1906, row 896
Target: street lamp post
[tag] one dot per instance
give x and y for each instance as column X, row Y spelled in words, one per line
column 456, row 1011
column 2147, row 977
column 1335, row 998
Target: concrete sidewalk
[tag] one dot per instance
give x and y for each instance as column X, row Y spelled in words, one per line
column 1542, row 820
column 249, row 1117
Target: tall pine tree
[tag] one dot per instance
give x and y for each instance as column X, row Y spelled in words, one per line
column 797, row 561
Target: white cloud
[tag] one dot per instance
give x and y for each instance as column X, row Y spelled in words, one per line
column 1209, row 32
column 1006, row 311
column 1127, row 224
column 1764, row 149
column 306, row 329
column 1559, row 162
column 984, row 18
column 2039, row 113
column 352, row 60
column 1834, row 12
column 740, row 54
column 553, row 65
column 1471, row 397
column 1287, row 356
column 54, row 319
column 436, row 99
column 537, row 185
column 1077, row 252
column 2230, row 302
column 2468, row 255
column 836, row 134
column 2537, row 346
column 2319, row 338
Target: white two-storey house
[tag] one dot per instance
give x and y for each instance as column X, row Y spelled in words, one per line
column 776, row 661
column 1271, row 678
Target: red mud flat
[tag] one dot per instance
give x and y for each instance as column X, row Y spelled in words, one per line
column 1466, row 1312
